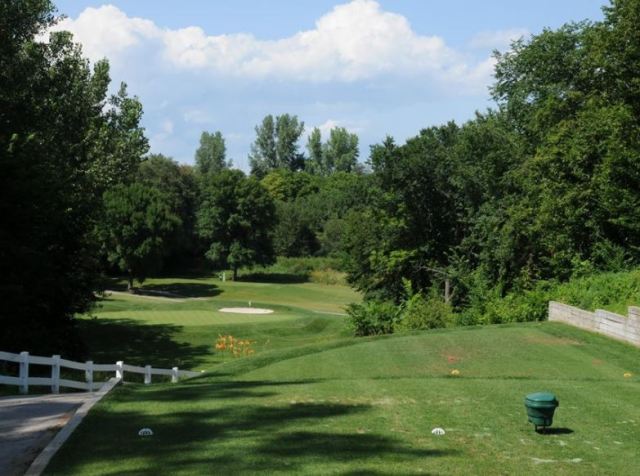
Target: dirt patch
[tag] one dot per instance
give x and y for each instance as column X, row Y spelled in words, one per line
column 246, row 310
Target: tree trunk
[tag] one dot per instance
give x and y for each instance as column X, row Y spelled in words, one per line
column 447, row 291
column 235, row 273
column 130, row 284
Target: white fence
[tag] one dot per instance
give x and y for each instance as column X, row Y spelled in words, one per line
column 23, row 380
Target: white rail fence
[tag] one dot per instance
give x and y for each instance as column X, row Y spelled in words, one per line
column 24, row 360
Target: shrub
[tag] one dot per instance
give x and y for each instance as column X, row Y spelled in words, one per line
column 373, row 317
column 422, row 313
column 328, row 276
column 610, row 291
column 316, row 269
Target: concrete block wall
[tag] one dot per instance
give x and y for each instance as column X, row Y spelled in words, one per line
column 604, row 322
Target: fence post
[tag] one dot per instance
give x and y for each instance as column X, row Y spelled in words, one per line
column 147, row 374
column 120, row 370
column 55, row 374
column 174, row 375
column 24, row 372
column 88, row 375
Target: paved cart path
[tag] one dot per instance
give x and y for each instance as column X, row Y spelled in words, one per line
column 28, row 423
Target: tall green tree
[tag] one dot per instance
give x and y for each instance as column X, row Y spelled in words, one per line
column 137, row 222
column 211, row 155
column 276, row 145
column 61, row 144
column 341, row 151
column 572, row 94
column 236, row 218
column 338, row 154
column 179, row 185
column 315, row 161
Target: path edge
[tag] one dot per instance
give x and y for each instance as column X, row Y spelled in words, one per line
column 42, row 460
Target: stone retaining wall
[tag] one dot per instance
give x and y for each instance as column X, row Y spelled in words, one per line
column 604, row 322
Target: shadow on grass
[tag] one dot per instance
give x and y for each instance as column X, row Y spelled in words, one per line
column 168, row 290
column 110, row 340
column 280, row 278
column 221, row 428
column 194, row 389
column 180, row 290
column 554, row 431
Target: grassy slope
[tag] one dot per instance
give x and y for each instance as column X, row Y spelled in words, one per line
column 165, row 332
column 354, row 406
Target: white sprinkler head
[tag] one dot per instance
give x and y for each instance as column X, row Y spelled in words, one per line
column 437, row 431
column 145, row 432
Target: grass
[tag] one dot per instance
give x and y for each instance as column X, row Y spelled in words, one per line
column 151, row 328
column 315, row 401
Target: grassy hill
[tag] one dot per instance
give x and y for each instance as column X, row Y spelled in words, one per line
column 316, row 401
column 152, row 328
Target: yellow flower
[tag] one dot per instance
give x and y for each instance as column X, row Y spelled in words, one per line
column 455, row 372
column 628, row 375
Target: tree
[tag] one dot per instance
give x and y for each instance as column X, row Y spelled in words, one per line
column 117, row 139
column 211, row 156
column 315, row 162
column 178, row 185
column 137, row 222
column 341, row 151
column 294, row 234
column 338, row 154
column 276, row 145
column 573, row 96
column 236, row 218
column 61, row 144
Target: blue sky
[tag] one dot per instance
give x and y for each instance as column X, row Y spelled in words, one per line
column 374, row 67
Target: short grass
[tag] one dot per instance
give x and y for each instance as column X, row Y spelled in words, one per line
column 318, row 402
column 181, row 330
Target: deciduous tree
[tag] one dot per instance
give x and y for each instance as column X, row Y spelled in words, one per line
column 236, row 218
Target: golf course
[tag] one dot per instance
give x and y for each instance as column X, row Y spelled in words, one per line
column 308, row 398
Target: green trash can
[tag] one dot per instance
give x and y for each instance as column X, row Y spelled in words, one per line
column 540, row 408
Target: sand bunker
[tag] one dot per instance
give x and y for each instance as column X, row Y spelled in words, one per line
column 246, row 310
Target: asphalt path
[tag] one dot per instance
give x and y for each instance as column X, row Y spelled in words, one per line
column 28, row 423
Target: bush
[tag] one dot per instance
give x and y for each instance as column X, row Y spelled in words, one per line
column 610, row 291
column 422, row 313
column 328, row 276
column 373, row 318
column 316, row 269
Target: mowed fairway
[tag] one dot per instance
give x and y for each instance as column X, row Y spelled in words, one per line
column 181, row 330
column 315, row 401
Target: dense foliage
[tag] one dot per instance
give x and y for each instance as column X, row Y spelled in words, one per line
column 137, row 222
column 546, row 187
column 235, row 218
column 62, row 142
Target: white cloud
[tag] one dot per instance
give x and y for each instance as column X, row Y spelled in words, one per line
column 107, row 31
column 326, row 127
column 497, row 39
column 167, row 127
column 353, row 41
column 197, row 116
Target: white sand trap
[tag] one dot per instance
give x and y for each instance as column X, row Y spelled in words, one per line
column 246, row 310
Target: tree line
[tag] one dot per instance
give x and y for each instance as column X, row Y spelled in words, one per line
column 544, row 186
